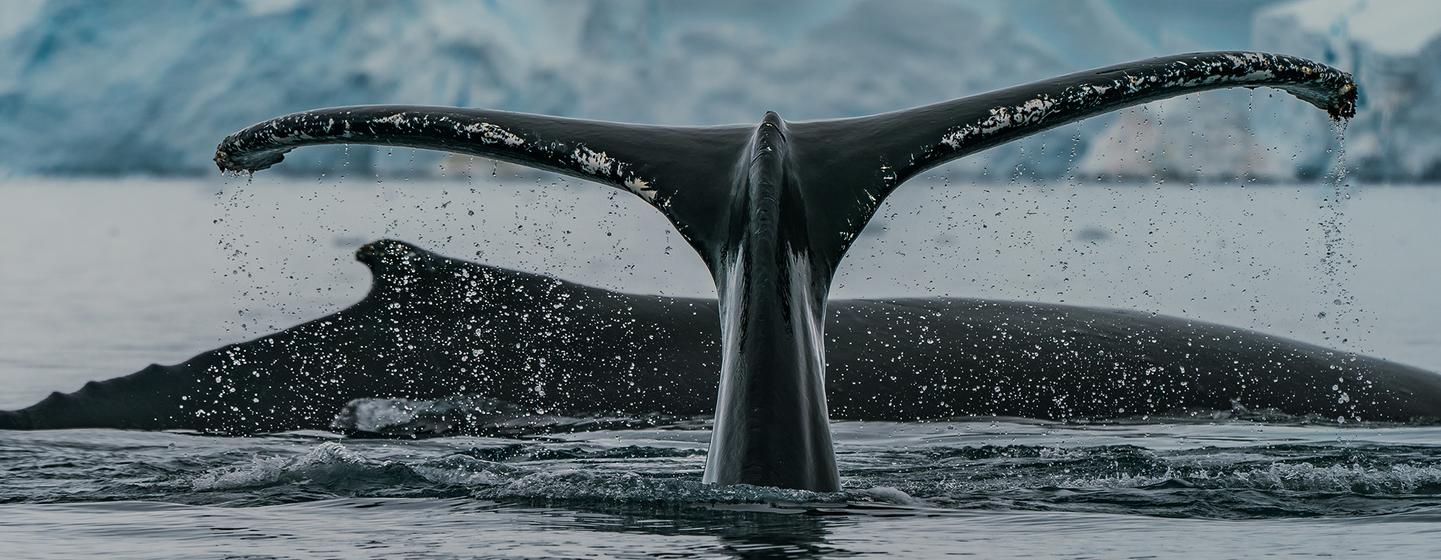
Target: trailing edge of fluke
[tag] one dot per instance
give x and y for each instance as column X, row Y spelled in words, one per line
column 772, row 208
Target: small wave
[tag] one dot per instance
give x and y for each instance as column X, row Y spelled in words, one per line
column 332, row 466
column 1261, row 481
column 325, row 461
column 1305, row 477
column 889, row 495
column 1264, row 473
column 473, row 415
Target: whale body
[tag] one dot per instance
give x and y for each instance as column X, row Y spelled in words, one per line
column 772, row 208
column 433, row 327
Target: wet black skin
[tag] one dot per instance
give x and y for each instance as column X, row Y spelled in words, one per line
column 434, row 327
column 772, row 208
column 772, row 280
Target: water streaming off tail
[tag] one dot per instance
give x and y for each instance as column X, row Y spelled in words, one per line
column 1336, row 267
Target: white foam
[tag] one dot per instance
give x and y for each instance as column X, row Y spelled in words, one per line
column 266, row 470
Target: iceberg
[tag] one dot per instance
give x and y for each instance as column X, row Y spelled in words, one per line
column 1393, row 49
column 116, row 88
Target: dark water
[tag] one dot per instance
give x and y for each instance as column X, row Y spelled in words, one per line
column 1224, row 488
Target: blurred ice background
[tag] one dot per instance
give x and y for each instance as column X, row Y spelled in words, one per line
column 121, row 246
column 148, row 86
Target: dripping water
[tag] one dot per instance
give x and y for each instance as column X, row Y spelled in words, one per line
column 1336, row 266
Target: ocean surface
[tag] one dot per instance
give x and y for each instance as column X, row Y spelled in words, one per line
column 100, row 277
column 986, row 489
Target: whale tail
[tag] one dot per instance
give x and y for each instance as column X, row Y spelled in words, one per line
column 845, row 167
column 772, row 208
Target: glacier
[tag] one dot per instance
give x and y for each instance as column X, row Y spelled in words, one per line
column 126, row 88
column 1393, row 49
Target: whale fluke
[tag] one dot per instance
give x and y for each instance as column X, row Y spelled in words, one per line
column 772, row 208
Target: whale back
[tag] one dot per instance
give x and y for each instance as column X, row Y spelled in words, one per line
column 634, row 355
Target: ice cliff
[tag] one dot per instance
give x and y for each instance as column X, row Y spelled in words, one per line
column 1393, row 48
column 122, row 87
